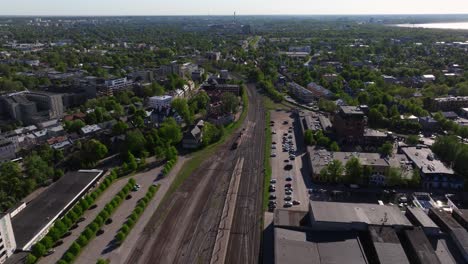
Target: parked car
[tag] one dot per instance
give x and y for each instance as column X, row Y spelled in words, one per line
column 272, row 197
column 99, row 232
column 288, row 192
column 109, row 221
column 273, row 181
column 67, row 234
column 92, row 207
column 50, row 252
column 288, row 204
column 58, row 243
column 288, row 198
column 128, row 197
column 296, row 202
column 81, row 219
column 289, row 178
column 287, row 185
column 74, row 226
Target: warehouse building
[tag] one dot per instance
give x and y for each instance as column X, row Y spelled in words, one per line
column 300, row 247
column 32, row 221
column 419, row 248
column 449, row 225
column 387, row 246
column 419, row 218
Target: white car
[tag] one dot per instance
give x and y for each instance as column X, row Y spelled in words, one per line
column 273, row 181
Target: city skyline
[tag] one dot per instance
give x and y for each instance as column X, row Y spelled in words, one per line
column 242, row 7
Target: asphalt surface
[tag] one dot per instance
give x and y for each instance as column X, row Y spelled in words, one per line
column 184, row 227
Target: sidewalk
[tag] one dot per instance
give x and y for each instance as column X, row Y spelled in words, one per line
column 101, row 247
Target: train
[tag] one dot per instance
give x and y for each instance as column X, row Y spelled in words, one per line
column 237, row 142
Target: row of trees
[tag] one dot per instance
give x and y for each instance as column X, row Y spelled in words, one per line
column 90, row 231
column 450, row 150
column 135, row 215
column 66, row 222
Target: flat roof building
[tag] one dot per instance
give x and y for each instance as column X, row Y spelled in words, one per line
column 419, row 247
column 387, row 245
column 354, row 216
column 317, row 247
column 419, row 218
column 434, row 173
column 39, row 215
column 449, row 225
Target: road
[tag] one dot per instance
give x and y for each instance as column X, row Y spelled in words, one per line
column 184, row 227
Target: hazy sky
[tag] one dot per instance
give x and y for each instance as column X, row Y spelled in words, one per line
column 224, row 7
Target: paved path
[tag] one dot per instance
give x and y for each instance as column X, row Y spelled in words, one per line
column 103, row 246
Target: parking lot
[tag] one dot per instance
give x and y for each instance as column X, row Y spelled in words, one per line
column 286, row 159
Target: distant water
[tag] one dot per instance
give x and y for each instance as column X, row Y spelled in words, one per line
column 458, row 25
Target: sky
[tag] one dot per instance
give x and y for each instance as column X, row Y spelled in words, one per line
column 227, row 7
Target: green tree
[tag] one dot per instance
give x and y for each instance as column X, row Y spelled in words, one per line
column 31, row 259
column 38, row 250
column 334, row 146
column 170, row 131
column 135, row 142
column 335, row 170
column 412, row 140
column 180, row 105
column 386, row 149
column 353, row 170
column 229, row 102
column 119, row 128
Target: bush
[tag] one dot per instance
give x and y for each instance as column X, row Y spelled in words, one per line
column 120, row 237
column 82, row 240
column 30, row 259
column 125, row 229
column 75, row 249
column 47, row 242
column 88, row 233
column 130, row 223
column 39, row 250
column 94, row 227
column 68, row 257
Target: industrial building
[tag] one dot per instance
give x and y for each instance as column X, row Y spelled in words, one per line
column 386, row 245
column 419, row 218
column 301, row 247
column 457, row 233
column 353, row 216
column 31, row 221
column 419, row 247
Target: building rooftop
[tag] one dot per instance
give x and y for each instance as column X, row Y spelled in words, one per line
column 371, row 214
column 421, row 246
column 321, row 158
column 424, row 159
column 41, row 212
column 351, row 110
column 451, row 99
column 90, row 129
column 420, row 217
column 162, row 97
column 317, row 247
column 387, row 245
column 289, row 218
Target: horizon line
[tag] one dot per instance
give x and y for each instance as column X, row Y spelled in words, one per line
column 238, row 15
